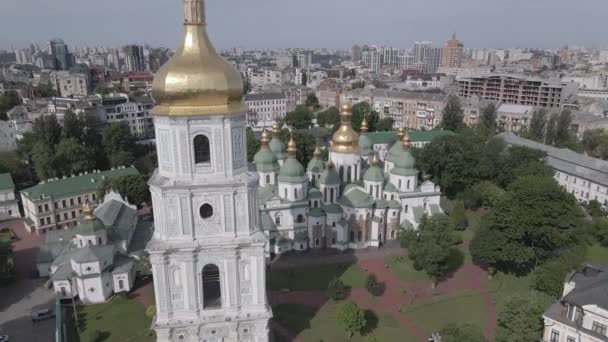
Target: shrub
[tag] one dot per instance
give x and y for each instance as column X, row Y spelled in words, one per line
column 373, row 287
column 336, row 289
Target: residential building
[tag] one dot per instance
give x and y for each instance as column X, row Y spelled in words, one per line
column 261, row 78
column 356, row 53
column 207, row 250
column 583, row 176
column 134, row 58
column 581, row 314
column 513, row 118
column 138, row 82
column 328, row 92
column 135, row 112
column 411, row 110
column 8, row 202
column 56, row 203
column 514, row 89
column 265, row 108
column 372, row 59
column 422, row 51
column 63, row 59
column 70, row 84
column 90, row 260
column 453, row 53
column 8, row 136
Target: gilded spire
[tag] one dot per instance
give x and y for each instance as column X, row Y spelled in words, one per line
column 364, row 127
column 376, row 160
column 317, row 153
column 291, row 147
column 264, row 139
column 276, row 130
column 194, row 12
column 406, row 141
column 87, row 212
column 400, row 133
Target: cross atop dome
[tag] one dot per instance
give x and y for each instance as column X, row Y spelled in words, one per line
column 194, row 12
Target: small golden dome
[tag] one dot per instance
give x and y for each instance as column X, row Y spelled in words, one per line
column 317, row 152
column 276, row 130
column 265, row 138
column 345, row 140
column 376, row 160
column 196, row 80
column 87, row 212
column 291, row 147
column 406, row 141
column 364, row 127
column 400, row 133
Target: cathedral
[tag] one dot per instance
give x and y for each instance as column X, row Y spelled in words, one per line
column 356, row 200
column 207, row 251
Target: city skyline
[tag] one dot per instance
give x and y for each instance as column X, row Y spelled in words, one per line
column 318, row 24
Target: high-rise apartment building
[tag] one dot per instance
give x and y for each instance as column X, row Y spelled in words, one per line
column 421, row 51
column 134, row 58
column 453, row 53
column 355, row 53
column 63, row 59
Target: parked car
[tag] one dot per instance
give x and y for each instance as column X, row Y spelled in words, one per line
column 42, row 314
column 4, row 338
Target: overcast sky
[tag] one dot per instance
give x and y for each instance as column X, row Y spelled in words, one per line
column 310, row 23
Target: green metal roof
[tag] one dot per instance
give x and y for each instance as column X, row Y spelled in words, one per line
column 267, row 192
column 278, row 148
column 314, row 193
column 89, row 227
column 315, row 165
column 330, row 177
column 365, row 144
column 332, row 208
column 394, row 204
column 316, row 212
column 374, row 174
column 399, row 171
column 6, row 181
column 415, row 136
column 356, row 197
column 389, row 187
column 76, row 184
column 292, row 171
column 382, row 204
column 265, row 160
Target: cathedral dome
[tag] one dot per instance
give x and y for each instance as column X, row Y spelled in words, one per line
column 196, row 80
column 330, row 176
column 316, row 163
column 265, row 160
column 345, row 140
column 292, row 171
column 276, row 145
column 88, row 224
column 374, row 173
column 405, row 162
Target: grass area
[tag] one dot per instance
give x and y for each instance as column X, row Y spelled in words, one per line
column 5, row 237
column 434, row 314
column 120, row 319
column 474, row 219
column 597, row 253
column 315, row 277
column 503, row 286
column 403, row 268
column 314, row 325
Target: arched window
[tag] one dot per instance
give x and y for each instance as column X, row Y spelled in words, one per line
column 295, row 193
column 99, row 241
column 202, row 152
column 121, row 284
column 285, row 192
column 356, row 177
column 267, row 179
column 342, row 172
column 348, row 174
column 325, row 195
column 400, row 184
column 212, row 293
column 408, row 184
column 277, row 220
column 406, row 208
column 300, row 218
column 331, row 195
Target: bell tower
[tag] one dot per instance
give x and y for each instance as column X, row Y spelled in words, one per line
column 207, row 251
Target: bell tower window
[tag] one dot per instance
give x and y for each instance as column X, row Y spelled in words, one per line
column 202, row 153
column 212, row 295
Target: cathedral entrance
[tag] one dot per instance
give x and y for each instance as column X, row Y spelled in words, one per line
column 212, row 293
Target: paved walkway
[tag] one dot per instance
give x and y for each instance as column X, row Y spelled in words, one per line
column 467, row 278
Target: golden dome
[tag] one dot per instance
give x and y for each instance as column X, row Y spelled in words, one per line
column 196, row 80
column 276, row 130
column 400, row 133
column 265, row 139
column 345, row 140
column 364, row 127
column 317, row 152
column 291, row 147
column 406, row 141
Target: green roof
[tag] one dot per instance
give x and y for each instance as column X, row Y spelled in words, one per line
column 315, row 165
column 316, row 212
column 265, row 160
column 356, row 197
column 405, row 160
column 278, row 148
column 382, row 204
column 399, row 171
column 332, row 208
column 6, row 181
column 267, row 192
column 314, row 193
column 394, row 204
column 374, row 174
column 89, row 227
column 330, row 177
column 292, row 171
column 415, row 136
column 365, row 144
column 389, row 187
column 76, row 184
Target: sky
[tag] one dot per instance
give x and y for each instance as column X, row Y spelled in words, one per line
column 310, row 23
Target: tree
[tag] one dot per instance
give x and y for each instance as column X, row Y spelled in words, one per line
column 520, row 319
column 462, row 332
column 594, row 208
column 458, row 215
column 551, row 131
column 519, row 233
column 488, row 117
column 43, row 157
column 132, row 187
column 312, row 101
column 8, row 100
column 72, row 126
column 372, row 286
column 328, row 118
column 71, row 157
column 363, row 109
column 537, row 125
column 385, row 124
column 121, row 158
column 358, row 84
column 549, row 277
column 253, row 144
column 598, row 229
column 433, row 249
column 102, row 88
column 305, row 144
column 562, row 129
column 453, row 114
column 47, row 130
column 301, row 118
column 351, row 318
column 44, row 90
column 518, row 161
column 117, row 137
column 336, row 289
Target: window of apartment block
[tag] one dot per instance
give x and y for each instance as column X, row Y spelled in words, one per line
column 79, row 200
column 56, row 205
column 46, row 207
column 554, row 336
column 71, row 202
column 42, row 222
column 599, row 328
column 63, row 204
column 57, row 218
column 48, row 220
column 65, row 216
column 93, row 196
column 39, row 208
column 571, row 339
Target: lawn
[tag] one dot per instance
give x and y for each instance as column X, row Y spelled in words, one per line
column 315, row 277
column 403, row 268
column 503, row 286
column 598, row 254
column 314, row 325
column 118, row 320
column 434, row 314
